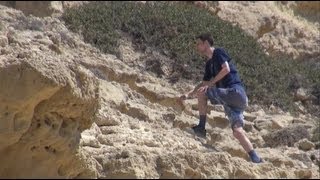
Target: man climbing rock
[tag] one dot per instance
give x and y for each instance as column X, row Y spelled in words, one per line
column 221, row 85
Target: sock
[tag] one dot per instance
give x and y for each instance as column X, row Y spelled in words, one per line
column 254, row 157
column 202, row 122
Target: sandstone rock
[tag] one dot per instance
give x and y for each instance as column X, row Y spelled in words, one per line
column 44, row 124
column 40, row 9
column 216, row 136
column 11, row 35
column 55, row 48
column 300, row 156
column 306, row 9
column 315, row 134
column 249, row 117
column 304, row 173
column 71, row 4
column 248, row 126
column 258, row 113
column 55, row 38
column 219, row 121
column 272, row 123
column 85, row 114
column 257, row 141
column 93, row 131
column 301, row 94
column 268, row 25
column 89, row 141
column 299, row 107
column 315, row 137
column 38, row 36
column 218, row 108
column 214, row 10
column 236, row 151
column 46, row 102
column 315, row 156
column 3, row 41
column 5, row 51
column 279, row 32
column 305, row 145
column 106, row 120
column 263, row 124
column 24, row 54
column 169, row 117
column 253, row 108
column 275, row 110
column 298, row 121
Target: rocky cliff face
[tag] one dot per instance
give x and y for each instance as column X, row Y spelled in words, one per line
column 47, row 99
column 41, row 8
column 70, row 111
column 286, row 27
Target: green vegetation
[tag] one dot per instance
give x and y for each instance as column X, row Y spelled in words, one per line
column 172, row 28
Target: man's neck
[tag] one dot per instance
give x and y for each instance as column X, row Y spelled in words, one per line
column 209, row 53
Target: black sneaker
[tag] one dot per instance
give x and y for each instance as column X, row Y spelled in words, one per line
column 200, row 131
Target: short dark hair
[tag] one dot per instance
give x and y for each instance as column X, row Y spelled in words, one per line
column 206, row 37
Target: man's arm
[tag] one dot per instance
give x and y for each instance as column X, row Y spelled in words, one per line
column 203, row 86
column 223, row 72
column 191, row 93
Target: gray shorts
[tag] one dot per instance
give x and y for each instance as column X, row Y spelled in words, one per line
column 234, row 101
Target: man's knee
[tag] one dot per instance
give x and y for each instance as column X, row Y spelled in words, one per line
column 238, row 132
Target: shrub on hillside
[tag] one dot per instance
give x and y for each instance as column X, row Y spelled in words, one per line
column 171, row 28
column 286, row 136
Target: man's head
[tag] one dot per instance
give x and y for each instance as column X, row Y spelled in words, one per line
column 204, row 42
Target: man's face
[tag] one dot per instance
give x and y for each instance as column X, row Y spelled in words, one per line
column 201, row 46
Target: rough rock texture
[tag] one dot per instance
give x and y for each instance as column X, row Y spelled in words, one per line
column 69, row 111
column 41, row 8
column 305, row 145
column 285, row 27
column 290, row 28
column 306, row 9
column 47, row 100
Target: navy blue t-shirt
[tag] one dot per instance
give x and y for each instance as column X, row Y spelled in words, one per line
column 214, row 66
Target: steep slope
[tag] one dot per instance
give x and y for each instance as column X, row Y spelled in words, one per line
column 287, row 27
column 70, row 111
column 283, row 27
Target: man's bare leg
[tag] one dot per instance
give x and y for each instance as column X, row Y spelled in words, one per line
column 239, row 133
column 202, row 104
column 242, row 138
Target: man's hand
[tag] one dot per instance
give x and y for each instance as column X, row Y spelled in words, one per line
column 203, row 89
